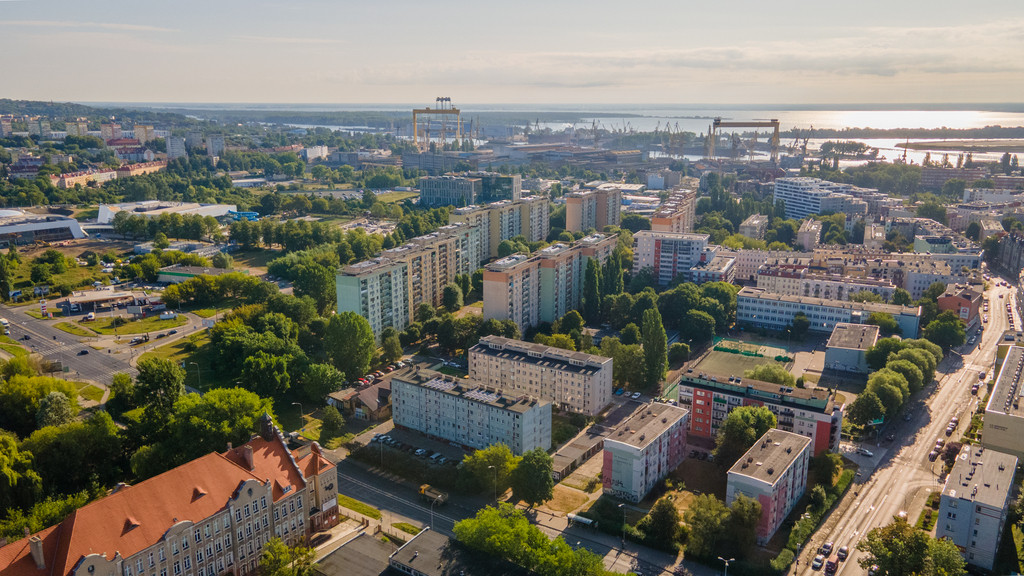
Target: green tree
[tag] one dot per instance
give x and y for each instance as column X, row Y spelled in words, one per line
column 973, row 231
column 20, row 484
column 866, row 408
column 425, row 312
column 392, row 347
column 655, row 344
column 898, row 549
column 697, row 326
column 159, row 385
column 350, row 344
column 678, row 352
column 21, row 397
column 160, row 241
column 947, row 331
column 317, row 282
column 5, row 279
column 800, row 325
column 886, row 323
column 910, row 371
column 54, row 410
column 122, row 394
column 531, row 480
column 933, row 210
column 660, row 526
column 41, row 273
column 739, row 430
column 630, row 334
column 265, row 374
column 332, row 423
column 901, row 297
column 878, row 354
column 222, row 260
column 319, row 380
column 774, row 373
column 452, row 297
column 744, row 516
column 278, row 559
column 944, row 558
column 592, row 292
column 489, row 469
column 865, row 296
column 706, row 517
column 924, row 361
column 611, row 281
column 90, row 449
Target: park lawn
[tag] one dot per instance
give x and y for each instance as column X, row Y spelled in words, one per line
column 360, row 507
column 74, row 329
column 202, row 379
column 57, row 313
column 392, row 197
column 210, row 312
column 75, row 276
column 89, row 392
column 152, row 324
column 11, row 347
column 565, row 499
column 407, row 528
column 255, row 259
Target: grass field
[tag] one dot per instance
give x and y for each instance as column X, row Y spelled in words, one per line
column 726, row 364
column 89, row 392
column 565, row 500
column 73, row 329
column 396, row 196
column 57, row 313
column 105, row 325
column 204, row 378
column 407, row 528
column 360, row 507
column 210, row 312
column 75, row 276
column 255, row 260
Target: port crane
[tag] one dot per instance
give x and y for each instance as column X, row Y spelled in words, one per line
column 445, row 110
column 718, row 123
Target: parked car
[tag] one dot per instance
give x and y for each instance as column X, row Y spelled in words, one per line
column 865, row 452
column 619, row 391
column 420, row 452
column 635, row 395
column 933, row 455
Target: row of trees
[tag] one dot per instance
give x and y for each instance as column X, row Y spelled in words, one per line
column 901, row 368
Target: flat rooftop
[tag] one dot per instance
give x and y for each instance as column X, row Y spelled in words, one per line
column 1006, row 393
column 853, row 336
column 507, row 262
column 769, row 457
column 981, row 475
column 431, row 553
column 364, row 555
column 467, row 389
column 762, row 294
column 805, row 398
column 648, row 424
column 541, row 354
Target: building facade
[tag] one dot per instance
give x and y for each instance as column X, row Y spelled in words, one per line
column 975, row 502
column 593, row 209
column 754, row 226
column 643, row 451
column 377, row 290
column 847, row 346
column 438, row 191
column 805, row 197
column 668, row 254
column 1004, row 419
column 573, row 381
column 677, row 214
column 759, row 308
column 963, row 301
column 773, row 473
column 807, row 412
column 461, row 411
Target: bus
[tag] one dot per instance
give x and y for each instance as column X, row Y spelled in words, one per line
column 6, row 326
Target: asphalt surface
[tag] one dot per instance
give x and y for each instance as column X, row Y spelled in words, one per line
column 899, row 477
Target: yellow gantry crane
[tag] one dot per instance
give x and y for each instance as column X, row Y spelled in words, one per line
column 719, row 123
column 445, row 110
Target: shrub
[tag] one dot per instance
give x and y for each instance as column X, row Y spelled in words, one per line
column 783, row 561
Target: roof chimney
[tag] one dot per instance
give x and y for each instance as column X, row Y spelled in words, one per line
column 247, row 455
column 266, row 429
column 35, row 544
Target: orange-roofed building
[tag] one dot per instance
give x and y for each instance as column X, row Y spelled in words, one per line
column 208, row 517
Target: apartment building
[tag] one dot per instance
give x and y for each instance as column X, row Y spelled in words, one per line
column 215, row 145
column 110, row 132
column 964, row 301
column 438, row 191
column 1010, row 256
column 541, row 288
column 144, row 133
column 593, row 209
column 759, row 308
column 1004, row 418
column 808, row 412
column 798, row 280
column 176, row 148
column 809, row 234
column 754, row 226
column 463, row 411
column 804, row 197
column 643, row 451
column 573, row 381
column 495, row 186
column 210, row 516
column 975, row 502
column 935, row 177
column 669, row 254
column 677, row 214
column 504, row 220
column 74, row 128
column 378, row 290
column 773, row 473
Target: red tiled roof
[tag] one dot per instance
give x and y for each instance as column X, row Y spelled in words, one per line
column 133, row 518
column 314, row 463
column 271, row 460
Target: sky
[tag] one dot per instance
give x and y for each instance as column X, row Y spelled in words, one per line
column 526, row 51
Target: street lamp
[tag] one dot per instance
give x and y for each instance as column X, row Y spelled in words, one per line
column 199, row 377
column 495, row 482
column 623, row 508
column 432, row 512
column 302, row 423
column 726, row 564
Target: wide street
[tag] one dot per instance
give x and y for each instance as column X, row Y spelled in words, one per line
column 97, row 366
column 899, row 476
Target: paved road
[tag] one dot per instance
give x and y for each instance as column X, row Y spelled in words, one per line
column 95, row 365
column 900, row 477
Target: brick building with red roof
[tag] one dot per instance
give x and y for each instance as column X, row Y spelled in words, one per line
column 208, row 517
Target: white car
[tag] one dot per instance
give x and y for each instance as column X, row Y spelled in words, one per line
column 635, row 395
column 817, row 563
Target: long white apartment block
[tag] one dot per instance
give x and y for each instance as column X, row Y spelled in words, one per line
column 463, row 411
column 574, row 381
column 759, row 308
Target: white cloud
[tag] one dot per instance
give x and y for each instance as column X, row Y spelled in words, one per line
column 84, row 25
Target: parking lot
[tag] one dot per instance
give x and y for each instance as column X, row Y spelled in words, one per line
column 411, row 442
